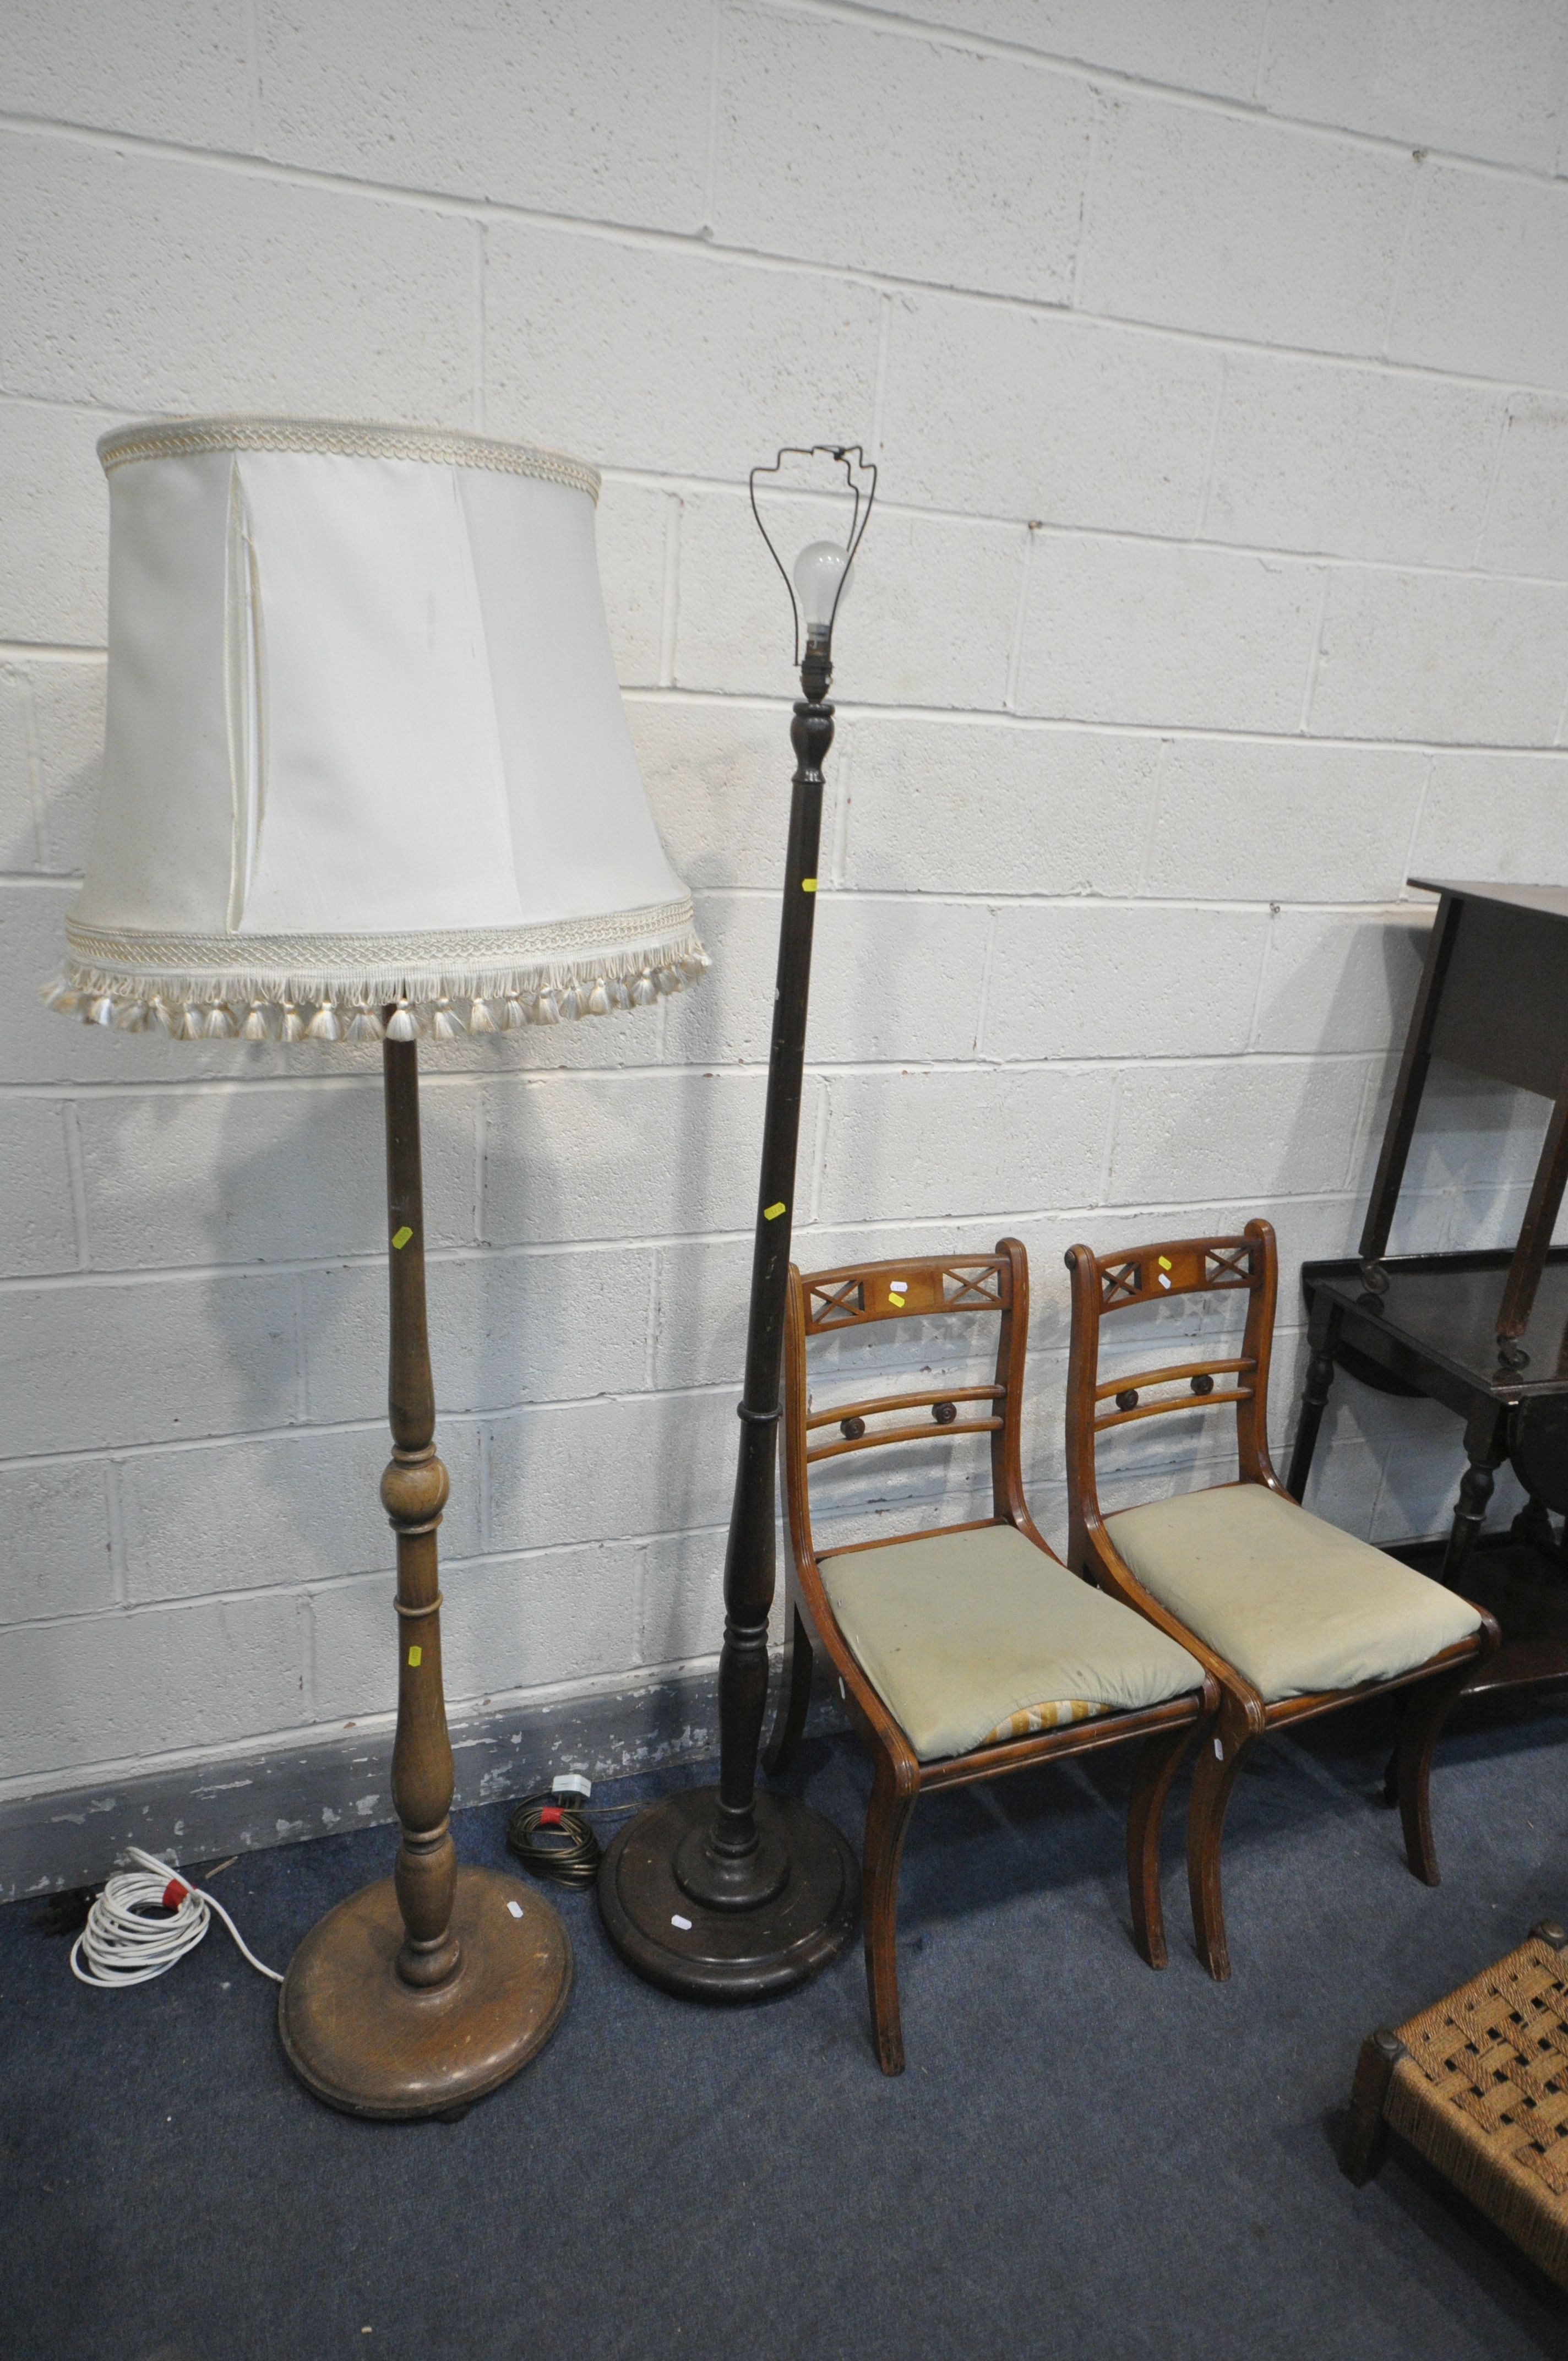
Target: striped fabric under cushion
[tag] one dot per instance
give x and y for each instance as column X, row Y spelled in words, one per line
column 1033, row 1718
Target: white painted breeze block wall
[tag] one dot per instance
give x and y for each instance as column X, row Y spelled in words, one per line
column 1215, row 357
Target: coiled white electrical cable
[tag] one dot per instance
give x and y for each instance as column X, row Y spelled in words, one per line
column 124, row 1946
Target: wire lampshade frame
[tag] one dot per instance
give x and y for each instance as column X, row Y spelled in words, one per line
column 851, row 457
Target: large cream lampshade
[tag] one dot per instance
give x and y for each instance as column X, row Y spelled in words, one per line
column 364, row 747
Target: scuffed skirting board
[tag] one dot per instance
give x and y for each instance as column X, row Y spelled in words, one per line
column 201, row 1811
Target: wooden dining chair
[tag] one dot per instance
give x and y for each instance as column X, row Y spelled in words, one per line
column 967, row 1650
column 1291, row 1616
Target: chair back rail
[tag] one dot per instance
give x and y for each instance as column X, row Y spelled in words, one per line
column 1198, row 1377
column 1172, row 1376
column 879, row 1403
column 1180, row 1267
column 920, row 1286
column 1104, row 1285
column 903, row 1435
column 924, row 1287
column 1179, row 1401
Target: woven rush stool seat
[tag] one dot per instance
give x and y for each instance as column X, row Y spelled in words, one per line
column 1478, row 2084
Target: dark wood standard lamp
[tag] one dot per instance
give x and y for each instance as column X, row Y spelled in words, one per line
column 367, row 778
column 726, row 1892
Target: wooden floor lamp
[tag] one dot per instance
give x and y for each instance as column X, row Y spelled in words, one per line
column 367, row 778
column 732, row 1894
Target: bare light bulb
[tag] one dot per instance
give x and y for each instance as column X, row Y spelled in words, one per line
column 819, row 576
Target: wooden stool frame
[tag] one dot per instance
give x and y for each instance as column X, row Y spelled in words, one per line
column 1105, row 1284
column 822, row 1302
column 1475, row 2084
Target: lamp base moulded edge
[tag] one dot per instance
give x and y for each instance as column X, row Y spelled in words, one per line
column 701, row 1953
column 368, row 2044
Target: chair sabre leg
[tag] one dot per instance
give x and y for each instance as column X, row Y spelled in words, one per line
column 1424, row 1716
column 1361, row 2150
column 886, row 1822
column 1159, row 1759
column 795, row 1698
column 1216, row 1775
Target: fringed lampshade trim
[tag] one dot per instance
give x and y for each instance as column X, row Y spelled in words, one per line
column 403, row 1004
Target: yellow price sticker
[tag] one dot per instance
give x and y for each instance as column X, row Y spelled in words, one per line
column 771, row 1212
column 808, row 884
column 416, row 1657
column 400, row 1237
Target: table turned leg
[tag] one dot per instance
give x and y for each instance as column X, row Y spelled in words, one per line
column 1405, row 1105
column 1483, row 1448
column 1535, row 1239
column 1324, row 1334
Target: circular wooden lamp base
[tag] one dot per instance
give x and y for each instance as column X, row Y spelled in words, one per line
column 362, row 2040
column 699, row 1952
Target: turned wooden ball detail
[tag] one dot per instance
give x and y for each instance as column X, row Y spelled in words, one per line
column 413, row 1491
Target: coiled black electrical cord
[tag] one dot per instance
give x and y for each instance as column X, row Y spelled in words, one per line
column 555, row 1839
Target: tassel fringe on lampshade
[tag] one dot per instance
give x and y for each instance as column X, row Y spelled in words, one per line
column 366, row 770
column 316, row 1008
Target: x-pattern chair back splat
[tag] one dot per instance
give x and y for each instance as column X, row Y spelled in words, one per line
column 921, row 1288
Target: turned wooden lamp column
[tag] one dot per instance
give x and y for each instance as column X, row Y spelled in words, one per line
column 367, row 779
column 731, row 1893
column 414, row 1493
column 422, row 1993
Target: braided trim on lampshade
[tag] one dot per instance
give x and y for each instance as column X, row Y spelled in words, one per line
column 442, row 446
column 332, row 988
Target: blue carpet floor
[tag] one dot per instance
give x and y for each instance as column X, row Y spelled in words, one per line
column 1083, row 2156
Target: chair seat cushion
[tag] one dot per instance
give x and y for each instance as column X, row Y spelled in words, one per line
column 958, row 1633
column 1294, row 1604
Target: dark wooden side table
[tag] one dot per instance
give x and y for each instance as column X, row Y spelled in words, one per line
column 1494, row 999
column 1486, row 1333
column 1433, row 1332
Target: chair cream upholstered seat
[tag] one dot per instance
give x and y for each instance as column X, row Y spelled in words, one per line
column 960, row 1633
column 1296, row 1605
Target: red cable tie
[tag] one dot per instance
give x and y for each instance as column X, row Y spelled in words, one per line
column 550, row 1816
column 174, row 1893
